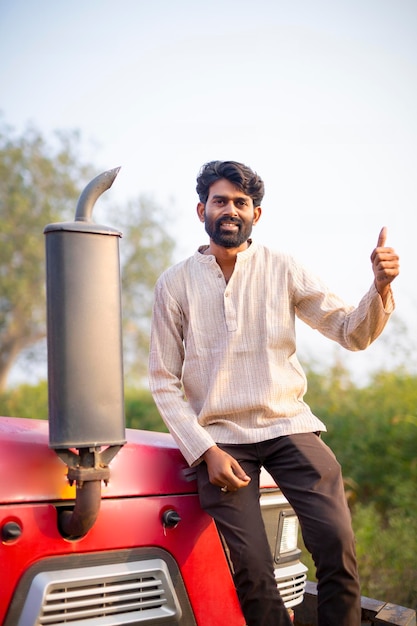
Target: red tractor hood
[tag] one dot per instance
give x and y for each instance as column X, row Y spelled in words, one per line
column 148, row 464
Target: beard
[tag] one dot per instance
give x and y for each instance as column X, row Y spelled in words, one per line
column 228, row 239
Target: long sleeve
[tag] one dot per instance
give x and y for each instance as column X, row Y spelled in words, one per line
column 354, row 328
column 165, row 372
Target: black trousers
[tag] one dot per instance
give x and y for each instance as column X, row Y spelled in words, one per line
column 310, row 477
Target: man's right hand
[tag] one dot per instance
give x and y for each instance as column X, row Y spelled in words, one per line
column 224, row 471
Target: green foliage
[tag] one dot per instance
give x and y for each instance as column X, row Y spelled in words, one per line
column 141, row 411
column 146, row 250
column 40, row 183
column 30, row 401
column 373, row 432
column 386, row 549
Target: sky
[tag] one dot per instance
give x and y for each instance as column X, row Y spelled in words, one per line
column 318, row 96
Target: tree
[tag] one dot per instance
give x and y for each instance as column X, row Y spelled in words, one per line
column 145, row 251
column 40, row 183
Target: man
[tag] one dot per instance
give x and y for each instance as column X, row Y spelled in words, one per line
column 225, row 377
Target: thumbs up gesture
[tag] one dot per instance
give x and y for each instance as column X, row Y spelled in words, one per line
column 385, row 265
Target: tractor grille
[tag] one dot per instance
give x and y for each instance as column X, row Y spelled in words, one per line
column 108, row 595
column 292, row 586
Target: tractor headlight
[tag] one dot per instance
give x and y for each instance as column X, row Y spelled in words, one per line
column 281, row 525
column 287, row 536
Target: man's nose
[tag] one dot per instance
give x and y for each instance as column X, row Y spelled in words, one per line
column 230, row 208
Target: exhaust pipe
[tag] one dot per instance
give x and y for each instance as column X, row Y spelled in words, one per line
column 92, row 192
column 85, row 355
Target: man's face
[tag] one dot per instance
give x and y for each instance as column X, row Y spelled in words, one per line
column 228, row 214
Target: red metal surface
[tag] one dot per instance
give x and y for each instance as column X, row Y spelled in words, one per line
column 129, row 523
column 149, row 463
column 142, row 474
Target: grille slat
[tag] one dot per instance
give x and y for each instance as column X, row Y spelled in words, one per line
column 110, row 587
column 94, row 596
column 292, row 589
column 63, row 616
column 117, row 594
column 107, row 603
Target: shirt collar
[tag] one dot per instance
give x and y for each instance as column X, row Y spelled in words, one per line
column 242, row 256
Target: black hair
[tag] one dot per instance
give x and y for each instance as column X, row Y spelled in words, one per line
column 239, row 174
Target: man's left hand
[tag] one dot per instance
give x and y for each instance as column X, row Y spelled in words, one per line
column 385, row 265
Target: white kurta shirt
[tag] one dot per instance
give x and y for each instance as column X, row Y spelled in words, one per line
column 223, row 365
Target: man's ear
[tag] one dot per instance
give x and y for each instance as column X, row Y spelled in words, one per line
column 257, row 212
column 200, row 211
